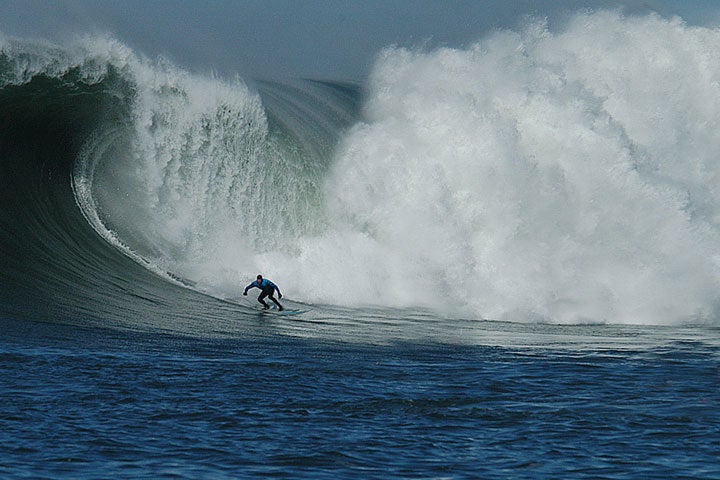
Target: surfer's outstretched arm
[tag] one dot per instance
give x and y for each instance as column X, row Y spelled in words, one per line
column 252, row 285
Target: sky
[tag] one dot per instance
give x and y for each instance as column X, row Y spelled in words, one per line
column 320, row 39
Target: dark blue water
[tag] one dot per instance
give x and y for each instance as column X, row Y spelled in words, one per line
column 100, row 403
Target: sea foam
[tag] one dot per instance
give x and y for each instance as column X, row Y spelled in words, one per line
column 555, row 176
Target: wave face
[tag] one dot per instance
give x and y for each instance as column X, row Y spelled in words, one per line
column 533, row 176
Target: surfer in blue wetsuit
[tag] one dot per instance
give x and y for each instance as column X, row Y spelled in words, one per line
column 267, row 288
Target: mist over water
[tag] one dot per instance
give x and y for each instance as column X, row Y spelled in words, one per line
column 536, row 175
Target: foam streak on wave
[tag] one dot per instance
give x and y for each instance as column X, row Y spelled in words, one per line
column 563, row 177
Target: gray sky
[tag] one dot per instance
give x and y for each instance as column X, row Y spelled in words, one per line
column 324, row 39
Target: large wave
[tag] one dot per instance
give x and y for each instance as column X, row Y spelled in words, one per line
column 536, row 175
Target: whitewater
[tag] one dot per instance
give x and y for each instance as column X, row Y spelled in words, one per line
column 533, row 176
column 506, row 255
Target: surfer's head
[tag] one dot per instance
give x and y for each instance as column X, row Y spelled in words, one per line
column 259, row 277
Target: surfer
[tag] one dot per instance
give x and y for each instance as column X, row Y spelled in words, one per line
column 266, row 290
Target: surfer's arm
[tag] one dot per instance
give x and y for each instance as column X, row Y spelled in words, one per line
column 252, row 285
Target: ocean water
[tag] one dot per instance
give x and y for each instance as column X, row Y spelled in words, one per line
column 507, row 258
column 572, row 402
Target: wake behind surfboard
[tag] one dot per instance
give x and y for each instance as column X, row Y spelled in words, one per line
column 286, row 311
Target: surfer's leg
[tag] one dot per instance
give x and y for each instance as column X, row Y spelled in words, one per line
column 260, row 299
column 280, row 307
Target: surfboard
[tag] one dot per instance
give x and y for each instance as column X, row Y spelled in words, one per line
column 286, row 311
column 291, row 307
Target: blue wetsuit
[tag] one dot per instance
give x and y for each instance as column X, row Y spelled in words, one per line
column 267, row 288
